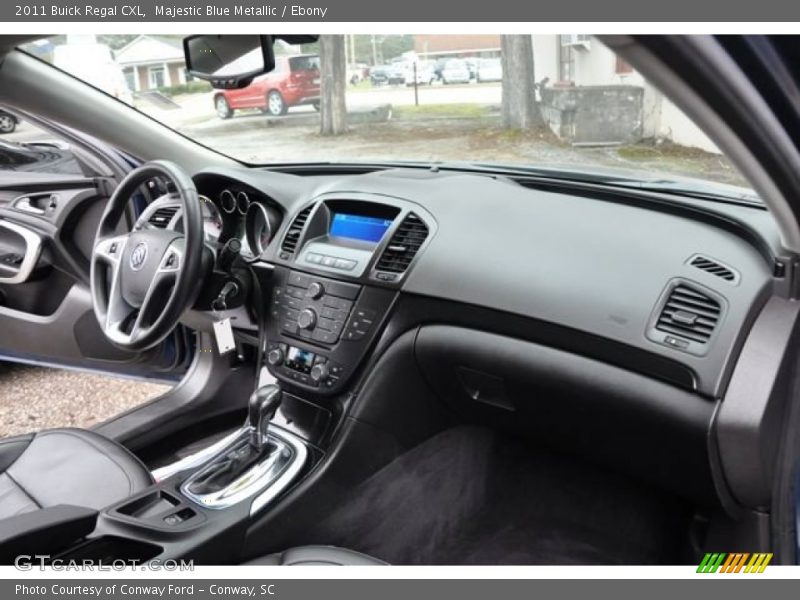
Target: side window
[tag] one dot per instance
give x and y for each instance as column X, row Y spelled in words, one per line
column 27, row 148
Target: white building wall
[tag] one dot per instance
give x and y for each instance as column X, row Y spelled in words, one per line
column 545, row 57
column 596, row 65
column 146, row 50
column 679, row 128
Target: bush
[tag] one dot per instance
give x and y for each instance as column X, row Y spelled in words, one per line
column 191, row 87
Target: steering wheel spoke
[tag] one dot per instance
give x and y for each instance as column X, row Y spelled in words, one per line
column 143, row 281
column 161, row 290
column 111, row 308
column 110, row 249
column 173, row 257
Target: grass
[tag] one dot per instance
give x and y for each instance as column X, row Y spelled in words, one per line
column 441, row 111
column 362, row 86
column 191, row 87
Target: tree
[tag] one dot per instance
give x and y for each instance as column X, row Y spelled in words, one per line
column 333, row 85
column 520, row 110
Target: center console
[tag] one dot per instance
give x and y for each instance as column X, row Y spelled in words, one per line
column 337, row 272
column 320, row 328
column 200, row 501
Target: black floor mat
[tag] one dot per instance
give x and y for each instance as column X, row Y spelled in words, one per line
column 468, row 496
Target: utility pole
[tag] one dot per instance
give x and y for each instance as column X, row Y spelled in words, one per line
column 416, row 86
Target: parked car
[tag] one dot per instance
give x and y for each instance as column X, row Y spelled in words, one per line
column 8, row 122
column 379, row 75
column 455, row 71
column 396, row 74
column 294, row 82
column 472, row 65
column 489, row 69
column 424, row 74
column 438, row 68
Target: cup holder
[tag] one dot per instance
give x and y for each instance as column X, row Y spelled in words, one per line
column 158, row 509
column 149, row 505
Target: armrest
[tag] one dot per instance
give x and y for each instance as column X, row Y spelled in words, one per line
column 44, row 531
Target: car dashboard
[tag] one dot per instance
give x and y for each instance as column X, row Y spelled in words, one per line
column 652, row 290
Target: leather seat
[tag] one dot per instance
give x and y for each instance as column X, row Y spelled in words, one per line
column 317, row 555
column 66, row 466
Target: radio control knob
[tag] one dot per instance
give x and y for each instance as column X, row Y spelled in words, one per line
column 319, row 372
column 275, row 357
column 307, row 319
column 315, row 290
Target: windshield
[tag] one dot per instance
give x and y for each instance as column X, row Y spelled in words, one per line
column 563, row 101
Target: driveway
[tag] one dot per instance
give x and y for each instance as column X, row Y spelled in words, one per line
column 33, row 398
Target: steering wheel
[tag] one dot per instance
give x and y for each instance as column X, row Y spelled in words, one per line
column 144, row 280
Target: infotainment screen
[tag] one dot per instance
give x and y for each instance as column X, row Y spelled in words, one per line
column 358, row 227
column 302, row 358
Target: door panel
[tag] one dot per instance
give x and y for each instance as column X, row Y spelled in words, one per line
column 46, row 313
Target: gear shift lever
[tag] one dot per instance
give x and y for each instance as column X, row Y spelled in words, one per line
column 238, row 460
column 263, row 405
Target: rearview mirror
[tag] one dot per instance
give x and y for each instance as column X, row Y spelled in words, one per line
column 228, row 61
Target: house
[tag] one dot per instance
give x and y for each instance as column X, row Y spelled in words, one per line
column 462, row 46
column 151, row 61
column 590, row 93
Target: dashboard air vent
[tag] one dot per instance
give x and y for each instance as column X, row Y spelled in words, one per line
column 295, row 229
column 714, row 267
column 690, row 314
column 403, row 246
column 161, row 217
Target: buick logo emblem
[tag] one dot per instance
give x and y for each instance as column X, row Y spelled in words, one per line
column 138, row 256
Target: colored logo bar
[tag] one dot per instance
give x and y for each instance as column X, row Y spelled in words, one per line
column 736, row 562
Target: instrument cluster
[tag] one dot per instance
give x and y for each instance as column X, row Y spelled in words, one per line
column 251, row 217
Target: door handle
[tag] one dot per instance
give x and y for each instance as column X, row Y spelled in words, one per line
column 30, row 255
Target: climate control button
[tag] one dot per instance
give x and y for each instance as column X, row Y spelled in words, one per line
column 307, row 319
column 275, row 357
column 315, row 290
column 319, row 372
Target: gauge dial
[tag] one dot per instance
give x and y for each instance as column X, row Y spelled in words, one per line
column 212, row 219
column 227, row 201
column 242, row 203
column 261, row 224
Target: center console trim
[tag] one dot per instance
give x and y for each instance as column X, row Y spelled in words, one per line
column 206, row 455
column 259, row 482
column 314, row 237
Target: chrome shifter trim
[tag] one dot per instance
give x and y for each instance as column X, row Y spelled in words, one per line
column 263, row 482
column 197, row 459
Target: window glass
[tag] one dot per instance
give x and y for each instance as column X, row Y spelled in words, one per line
column 27, row 148
column 422, row 97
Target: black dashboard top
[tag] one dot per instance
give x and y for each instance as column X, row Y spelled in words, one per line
column 659, row 281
